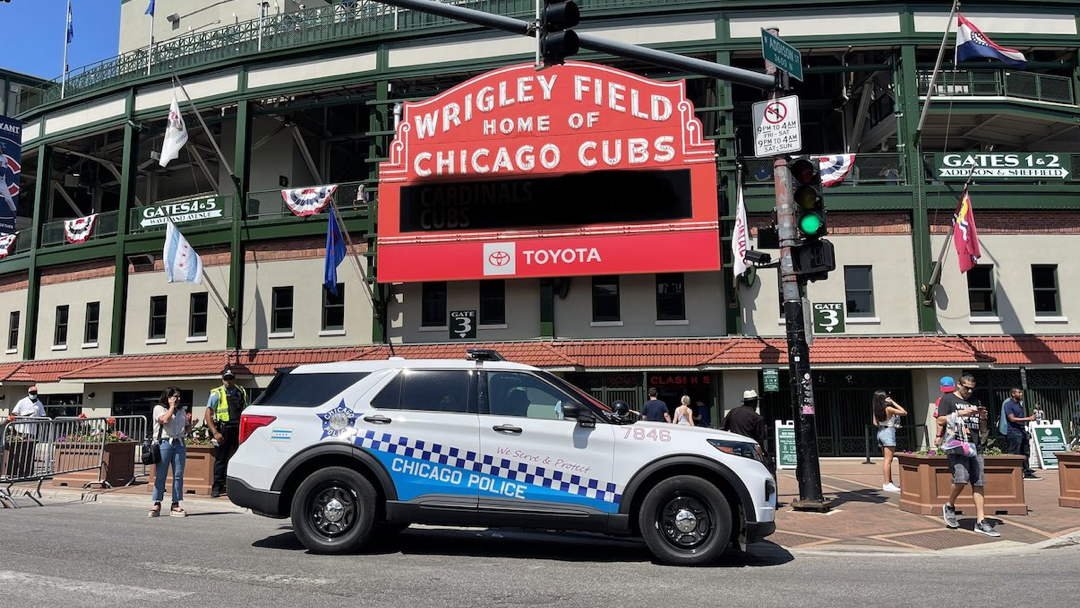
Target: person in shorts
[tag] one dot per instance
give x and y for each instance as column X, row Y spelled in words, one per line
column 886, row 418
column 960, row 420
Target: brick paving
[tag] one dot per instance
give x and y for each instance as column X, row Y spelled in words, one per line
column 863, row 516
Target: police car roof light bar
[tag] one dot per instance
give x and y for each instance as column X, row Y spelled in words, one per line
column 483, row 354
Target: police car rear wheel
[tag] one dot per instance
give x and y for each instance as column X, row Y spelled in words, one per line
column 685, row 520
column 333, row 510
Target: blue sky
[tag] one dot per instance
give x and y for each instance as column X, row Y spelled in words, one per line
column 35, row 43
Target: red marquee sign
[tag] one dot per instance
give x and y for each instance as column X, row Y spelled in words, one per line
column 579, row 169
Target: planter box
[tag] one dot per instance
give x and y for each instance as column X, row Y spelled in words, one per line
column 117, row 466
column 926, row 481
column 198, row 472
column 18, row 459
column 1069, row 478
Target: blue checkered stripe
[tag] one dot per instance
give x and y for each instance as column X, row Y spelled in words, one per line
column 521, row 472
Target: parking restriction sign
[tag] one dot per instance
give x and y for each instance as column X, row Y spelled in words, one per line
column 776, row 126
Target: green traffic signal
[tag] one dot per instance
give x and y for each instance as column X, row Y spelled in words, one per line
column 811, row 224
column 809, row 202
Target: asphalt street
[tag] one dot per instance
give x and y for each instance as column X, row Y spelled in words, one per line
column 72, row 554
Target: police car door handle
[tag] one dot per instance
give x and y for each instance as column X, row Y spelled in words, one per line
column 377, row 419
column 507, row 428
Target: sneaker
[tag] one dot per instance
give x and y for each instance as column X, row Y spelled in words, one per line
column 891, row 487
column 984, row 527
column 1032, row 477
column 948, row 512
column 155, row 511
column 177, row 511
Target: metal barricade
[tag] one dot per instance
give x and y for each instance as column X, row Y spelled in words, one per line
column 24, row 455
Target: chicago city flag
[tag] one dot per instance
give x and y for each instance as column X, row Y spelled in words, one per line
column 965, row 237
column 971, row 44
column 740, row 236
column 182, row 264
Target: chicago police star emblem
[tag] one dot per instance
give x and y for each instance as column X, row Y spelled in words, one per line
column 337, row 421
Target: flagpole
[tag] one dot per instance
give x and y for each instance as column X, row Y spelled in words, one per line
column 356, row 256
column 150, row 57
column 937, row 68
column 63, row 77
column 209, row 135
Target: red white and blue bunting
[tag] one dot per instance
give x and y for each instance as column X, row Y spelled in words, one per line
column 834, row 168
column 79, row 229
column 308, row 201
column 7, row 244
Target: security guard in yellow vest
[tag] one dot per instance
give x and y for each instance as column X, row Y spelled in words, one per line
column 223, row 419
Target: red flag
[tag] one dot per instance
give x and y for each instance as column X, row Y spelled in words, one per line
column 965, row 237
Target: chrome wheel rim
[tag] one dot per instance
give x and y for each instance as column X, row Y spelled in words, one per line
column 684, row 522
column 334, row 510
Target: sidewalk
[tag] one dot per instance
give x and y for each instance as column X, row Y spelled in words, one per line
column 864, row 518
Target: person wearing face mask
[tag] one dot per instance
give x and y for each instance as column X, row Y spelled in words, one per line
column 29, row 406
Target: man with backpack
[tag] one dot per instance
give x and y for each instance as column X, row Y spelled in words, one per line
column 1013, row 425
column 960, row 420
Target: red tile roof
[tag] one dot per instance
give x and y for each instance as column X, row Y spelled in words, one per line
column 645, row 353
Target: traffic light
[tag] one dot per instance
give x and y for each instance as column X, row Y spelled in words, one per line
column 813, row 261
column 809, row 203
column 557, row 40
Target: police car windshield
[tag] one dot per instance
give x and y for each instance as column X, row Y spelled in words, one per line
column 584, row 396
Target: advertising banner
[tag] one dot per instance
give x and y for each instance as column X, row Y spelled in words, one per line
column 10, row 171
column 957, row 166
column 181, row 212
column 580, row 169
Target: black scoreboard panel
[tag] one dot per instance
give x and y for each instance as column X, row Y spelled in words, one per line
column 596, row 197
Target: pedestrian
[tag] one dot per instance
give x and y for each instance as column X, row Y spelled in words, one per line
column 887, row 415
column 683, row 414
column 703, row 415
column 745, row 420
column 654, row 409
column 222, row 417
column 959, row 419
column 171, row 424
column 29, row 406
column 1016, row 433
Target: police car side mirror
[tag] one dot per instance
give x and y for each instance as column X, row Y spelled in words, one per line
column 583, row 416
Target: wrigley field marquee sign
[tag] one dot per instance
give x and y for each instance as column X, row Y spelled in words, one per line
column 204, row 208
column 579, row 169
column 1002, row 165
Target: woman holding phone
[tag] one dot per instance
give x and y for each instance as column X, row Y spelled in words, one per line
column 887, row 415
column 171, row 424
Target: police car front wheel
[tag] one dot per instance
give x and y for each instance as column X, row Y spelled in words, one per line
column 333, row 510
column 685, row 520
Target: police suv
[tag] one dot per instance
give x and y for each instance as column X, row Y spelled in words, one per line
column 352, row 449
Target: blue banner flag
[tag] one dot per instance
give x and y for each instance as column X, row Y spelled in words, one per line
column 335, row 252
column 10, row 170
column 150, row 9
column 70, row 24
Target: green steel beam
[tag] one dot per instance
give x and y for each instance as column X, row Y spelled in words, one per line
column 120, row 266
column 380, row 120
column 242, row 162
column 907, row 78
column 33, row 281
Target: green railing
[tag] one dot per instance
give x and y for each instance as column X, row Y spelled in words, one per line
column 311, row 26
column 871, row 169
column 1000, row 83
column 139, row 223
column 52, row 233
column 266, row 205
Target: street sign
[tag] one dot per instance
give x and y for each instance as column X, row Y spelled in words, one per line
column 1050, row 438
column 828, row 318
column 786, row 453
column 1002, row 165
column 777, row 129
column 462, row 324
column 181, row 212
column 781, row 54
column 770, row 380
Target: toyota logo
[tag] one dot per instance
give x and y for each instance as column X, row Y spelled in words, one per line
column 499, row 258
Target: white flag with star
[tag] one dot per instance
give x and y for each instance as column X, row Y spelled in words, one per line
column 181, row 262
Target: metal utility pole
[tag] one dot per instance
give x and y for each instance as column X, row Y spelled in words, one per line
column 793, row 291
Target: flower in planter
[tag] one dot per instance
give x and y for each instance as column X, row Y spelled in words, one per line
column 109, row 437
column 199, row 436
column 110, row 421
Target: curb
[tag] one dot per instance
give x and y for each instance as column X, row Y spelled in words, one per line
column 193, row 504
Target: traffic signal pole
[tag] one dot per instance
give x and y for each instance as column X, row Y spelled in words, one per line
column 793, row 290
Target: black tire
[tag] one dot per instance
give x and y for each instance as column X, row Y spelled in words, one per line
column 333, row 510
column 703, row 515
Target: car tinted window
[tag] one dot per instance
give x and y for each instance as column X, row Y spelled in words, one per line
column 434, row 390
column 389, row 396
column 524, row 395
column 307, row 390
